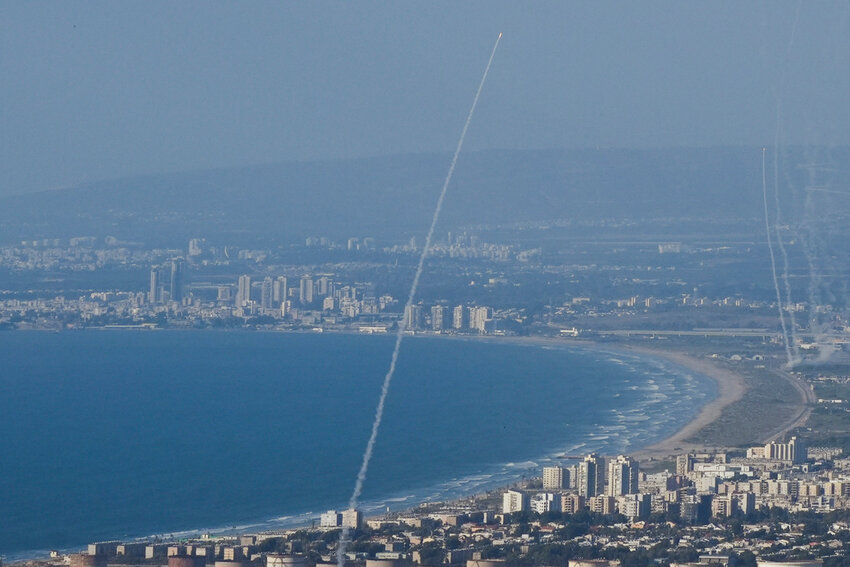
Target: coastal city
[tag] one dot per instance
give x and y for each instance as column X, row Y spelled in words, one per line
column 697, row 498
column 496, row 291
column 424, row 284
column 780, row 503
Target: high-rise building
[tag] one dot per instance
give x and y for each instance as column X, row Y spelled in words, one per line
column 306, row 290
column 746, row 502
column 413, row 317
column 243, row 291
column 636, row 506
column 195, row 247
column 544, row 502
column 571, row 503
column 176, row 290
column 437, row 312
column 622, row 476
column 794, row 451
column 514, row 501
column 553, row 478
column 279, row 290
column 591, row 475
column 330, row 519
column 684, row 464
column 352, row 519
column 324, row 286
column 460, row 317
column 724, row 506
column 571, row 479
column 478, row 317
column 266, row 293
column 602, row 504
column 153, row 293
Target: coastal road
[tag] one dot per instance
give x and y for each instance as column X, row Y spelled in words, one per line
column 693, row 333
column 807, row 401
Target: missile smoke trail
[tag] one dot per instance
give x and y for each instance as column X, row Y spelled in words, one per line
column 385, row 388
column 807, row 239
column 789, row 332
column 791, row 339
column 773, row 256
column 812, row 247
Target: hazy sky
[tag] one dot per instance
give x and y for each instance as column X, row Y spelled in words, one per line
column 91, row 90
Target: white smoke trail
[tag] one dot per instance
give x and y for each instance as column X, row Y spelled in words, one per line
column 812, row 246
column 819, row 210
column 807, row 239
column 385, row 388
column 791, row 336
column 793, row 354
column 773, row 256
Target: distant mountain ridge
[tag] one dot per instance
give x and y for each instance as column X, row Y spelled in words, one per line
column 393, row 196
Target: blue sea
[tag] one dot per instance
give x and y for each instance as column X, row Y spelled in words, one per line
column 126, row 434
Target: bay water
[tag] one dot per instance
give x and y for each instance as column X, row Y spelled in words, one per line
column 124, row 434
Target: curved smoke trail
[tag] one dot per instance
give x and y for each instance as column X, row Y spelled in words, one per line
column 791, row 331
column 791, row 339
column 773, row 258
column 385, row 388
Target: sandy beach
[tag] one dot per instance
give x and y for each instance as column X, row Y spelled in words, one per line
column 731, row 387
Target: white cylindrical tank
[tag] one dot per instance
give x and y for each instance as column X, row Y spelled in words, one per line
column 592, row 563
column 387, row 563
column 485, row 563
column 278, row 560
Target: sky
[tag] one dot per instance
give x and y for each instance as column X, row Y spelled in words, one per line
column 98, row 90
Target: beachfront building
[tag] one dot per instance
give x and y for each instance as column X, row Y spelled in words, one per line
column 555, row 478
column 514, row 501
column 330, row 519
column 622, row 476
column 545, row 502
column 591, row 476
column 351, row 519
column 794, row 451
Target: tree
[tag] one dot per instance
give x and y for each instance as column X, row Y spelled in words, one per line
column 431, row 553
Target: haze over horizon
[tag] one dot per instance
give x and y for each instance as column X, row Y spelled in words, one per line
column 95, row 90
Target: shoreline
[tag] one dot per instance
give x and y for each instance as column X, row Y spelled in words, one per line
column 730, row 388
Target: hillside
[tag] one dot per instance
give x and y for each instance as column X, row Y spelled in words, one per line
column 391, row 197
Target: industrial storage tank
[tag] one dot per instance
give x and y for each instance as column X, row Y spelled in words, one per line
column 387, row 563
column 86, row 560
column 593, row 563
column 186, row 561
column 486, row 563
column 280, row 560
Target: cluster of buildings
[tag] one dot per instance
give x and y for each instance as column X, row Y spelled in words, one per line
column 222, row 552
column 312, row 300
column 601, row 485
column 200, row 285
column 309, row 299
column 678, row 513
column 704, row 486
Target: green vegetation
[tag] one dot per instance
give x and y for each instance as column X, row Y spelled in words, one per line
column 765, row 407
